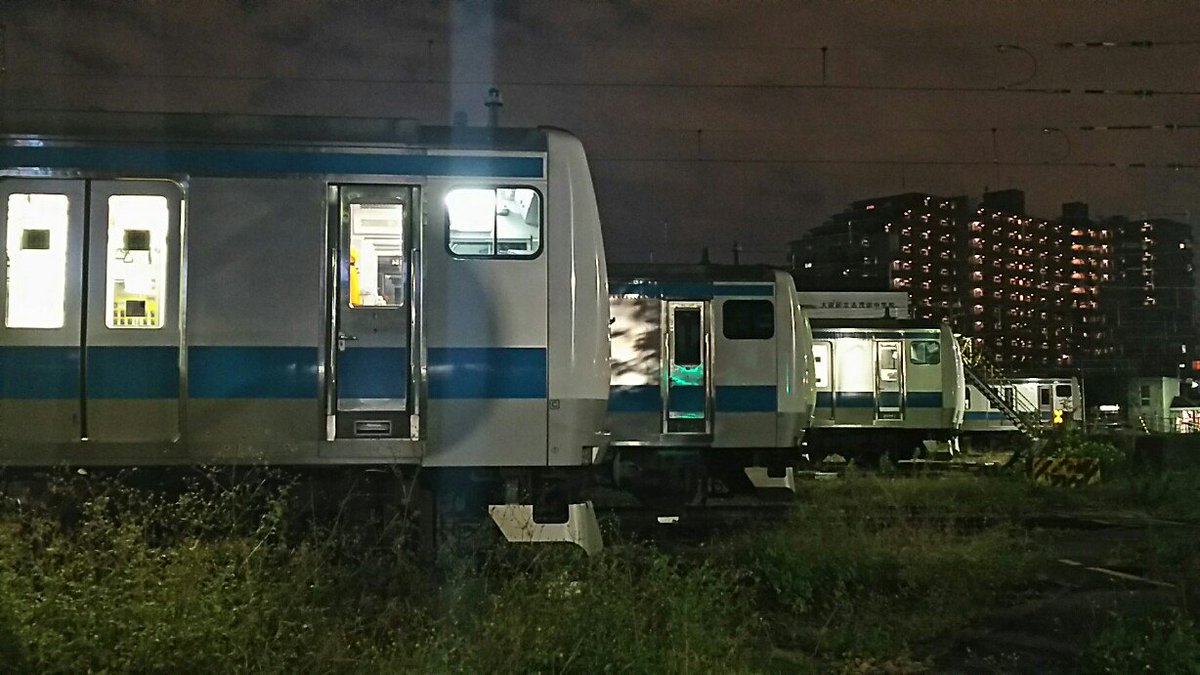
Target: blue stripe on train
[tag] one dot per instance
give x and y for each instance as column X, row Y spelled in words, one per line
column 252, row 162
column 39, row 372
column 647, row 398
column 682, row 291
column 746, row 399
column 866, row 399
column 686, row 399
column 988, row 416
column 252, row 373
column 373, row 372
column 132, row 372
column 479, row 372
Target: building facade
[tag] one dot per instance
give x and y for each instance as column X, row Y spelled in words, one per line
column 1025, row 290
column 897, row 243
column 1150, row 304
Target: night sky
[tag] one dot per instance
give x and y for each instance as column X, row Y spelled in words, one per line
column 706, row 122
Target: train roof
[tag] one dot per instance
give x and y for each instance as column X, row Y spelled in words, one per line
column 263, row 129
column 690, row 273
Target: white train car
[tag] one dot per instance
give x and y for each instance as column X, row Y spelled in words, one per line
column 885, row 386
column 712, row 373
column 186, row 289
column 1041, row 399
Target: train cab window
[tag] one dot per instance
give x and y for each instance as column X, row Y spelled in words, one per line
column 748, row 319
column 1044, row 396
column 1062, row 390
column 925, row 353
column 37, row 260
column 821, row 359
column 494, row 222
column 137, row 261
column 378, row 273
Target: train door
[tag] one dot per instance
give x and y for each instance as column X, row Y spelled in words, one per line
column 888, row 373
column 90, row 343
column 823, row 369
column 688, row 402
column 370, row 373
column 1045, row 400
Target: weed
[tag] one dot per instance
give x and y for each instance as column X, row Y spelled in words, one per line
column 874, row 578
column 1165, row 643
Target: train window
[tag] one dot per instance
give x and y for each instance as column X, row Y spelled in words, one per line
column 378, row 273
column 494, row 222
column 821, row 360
column 37, row 261
column 1044, row 396
column 137, row 261
column 688, row 337
column 925, row 353
column 1062, row 390
column 748, row 319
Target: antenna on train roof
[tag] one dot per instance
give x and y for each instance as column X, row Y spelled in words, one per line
column 494, row 103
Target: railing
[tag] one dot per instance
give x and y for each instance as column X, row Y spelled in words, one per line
column 993, row 383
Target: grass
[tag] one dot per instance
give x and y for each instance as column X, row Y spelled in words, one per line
column 883, row 567
column 97, row 575
column 1168, row 642
column 104, row 577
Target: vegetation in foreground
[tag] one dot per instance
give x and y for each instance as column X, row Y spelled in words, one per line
column 100, row 576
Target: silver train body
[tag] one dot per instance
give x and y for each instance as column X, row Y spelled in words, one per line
column 885, row 385
column 196, row 289
column 715, row 363
column 1038, row 397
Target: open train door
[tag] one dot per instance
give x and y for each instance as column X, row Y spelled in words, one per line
column 371, row 380
column 686, row 392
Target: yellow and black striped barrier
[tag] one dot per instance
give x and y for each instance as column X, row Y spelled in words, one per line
column 1066, row 471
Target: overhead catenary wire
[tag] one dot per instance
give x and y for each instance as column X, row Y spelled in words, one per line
column 898, row 162
column 666, row 85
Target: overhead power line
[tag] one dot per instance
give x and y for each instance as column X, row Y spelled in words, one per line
column 1140, row 44
column 567, row 84
column 899, row 162
column 1140, row 127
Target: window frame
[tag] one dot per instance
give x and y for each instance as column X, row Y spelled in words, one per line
column 163, row 295
column 823, row 374
column 912, row 355
column 725, row 318
column 20, row 246
column 494, row 255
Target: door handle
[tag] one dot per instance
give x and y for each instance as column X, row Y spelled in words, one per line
column 342, row 339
